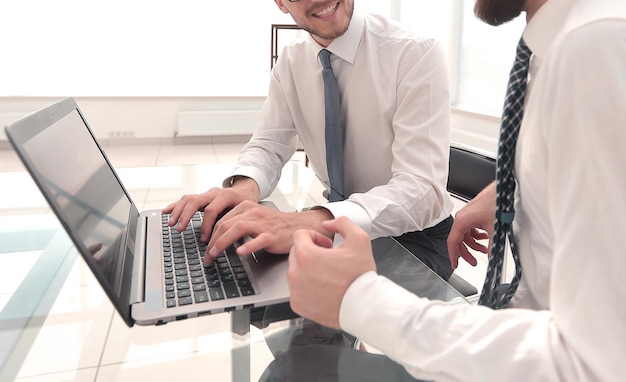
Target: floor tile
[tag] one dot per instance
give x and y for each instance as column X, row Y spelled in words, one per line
column 228, row 152
column 197, row 366
column 132, row 155
column 14, row 267
column 124, row 344
column 9, row 161
column 19, row 193
column 186, row 154
column 81, row 375
column 74, row 333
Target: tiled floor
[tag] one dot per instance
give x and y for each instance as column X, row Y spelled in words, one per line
column 83, row 338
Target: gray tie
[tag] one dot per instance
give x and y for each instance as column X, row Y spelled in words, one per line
column 334, row 130
column 505, row 184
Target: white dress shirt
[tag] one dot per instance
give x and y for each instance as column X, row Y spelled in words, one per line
column 395, row 102
column 569, row 225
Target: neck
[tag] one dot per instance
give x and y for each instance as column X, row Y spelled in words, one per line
column 532, row 6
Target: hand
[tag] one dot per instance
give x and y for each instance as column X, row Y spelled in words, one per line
column 213, row 202
column 319, row 275
column 472, row 223
column 267, row 228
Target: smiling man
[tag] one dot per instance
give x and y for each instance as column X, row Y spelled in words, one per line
column 395, row 107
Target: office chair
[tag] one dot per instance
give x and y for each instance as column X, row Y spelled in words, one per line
column 470, row 172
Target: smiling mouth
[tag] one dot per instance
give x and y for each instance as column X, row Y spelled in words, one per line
column 326, row 11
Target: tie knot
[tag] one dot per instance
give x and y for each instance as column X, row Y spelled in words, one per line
column 324, row 56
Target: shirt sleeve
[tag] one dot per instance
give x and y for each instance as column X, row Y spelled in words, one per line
column 273, row 143
column 437, row 341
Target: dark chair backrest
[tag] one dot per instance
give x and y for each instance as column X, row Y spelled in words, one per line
column 470, row 171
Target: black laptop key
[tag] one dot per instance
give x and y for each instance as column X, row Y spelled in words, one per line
column 171, row 303
column 198, row 287
column 185, row 301
column 231, row 250
column 180, row 286
column 195, row 273
column 216, row 294
column 184, row 293
column 235, row 260
column 247, row 291
column 197, row 280
column 231, row 290
column 201, row 296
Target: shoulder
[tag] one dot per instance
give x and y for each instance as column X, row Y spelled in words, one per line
column 297, row 53
column 594, row 32
column 389, row 34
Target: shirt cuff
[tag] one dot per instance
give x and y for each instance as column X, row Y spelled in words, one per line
column 351, row 210
column 253, row 173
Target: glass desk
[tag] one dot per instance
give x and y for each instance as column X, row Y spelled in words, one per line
column 56, row 322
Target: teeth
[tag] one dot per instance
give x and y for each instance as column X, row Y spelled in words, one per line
column 327, row 11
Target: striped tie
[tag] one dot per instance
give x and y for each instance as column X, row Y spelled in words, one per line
column 505, row 184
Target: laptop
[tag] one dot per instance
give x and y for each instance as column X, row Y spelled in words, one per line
column 150, row 277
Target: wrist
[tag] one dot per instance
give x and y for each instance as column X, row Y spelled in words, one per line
column 314, row 218
column 245, row 183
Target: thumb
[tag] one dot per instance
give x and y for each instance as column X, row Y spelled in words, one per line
column 344, row 227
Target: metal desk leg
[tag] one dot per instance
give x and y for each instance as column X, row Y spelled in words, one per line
column 240, row 350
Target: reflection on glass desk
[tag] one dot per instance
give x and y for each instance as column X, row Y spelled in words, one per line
column 55, row 320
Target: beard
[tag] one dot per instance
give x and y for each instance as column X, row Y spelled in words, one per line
column 497, row 12
column 332, row 33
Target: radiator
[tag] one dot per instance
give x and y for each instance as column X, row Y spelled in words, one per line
column 7, row 118
column 213, row 123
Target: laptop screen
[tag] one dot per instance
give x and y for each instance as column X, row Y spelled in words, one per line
column 82, row 188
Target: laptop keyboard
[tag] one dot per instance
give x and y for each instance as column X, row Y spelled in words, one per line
column 187, row 279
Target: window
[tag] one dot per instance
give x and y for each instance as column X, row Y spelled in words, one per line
column 203, row 48
column 480, row 56
column 484, row 58
column 139, row 47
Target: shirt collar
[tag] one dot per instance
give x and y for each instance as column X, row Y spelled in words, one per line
column 346, row 45
column 545, row 25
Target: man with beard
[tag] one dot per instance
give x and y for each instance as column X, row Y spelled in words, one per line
column 394, row 95
column 565, row 321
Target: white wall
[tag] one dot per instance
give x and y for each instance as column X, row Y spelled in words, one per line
column 158, row 118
